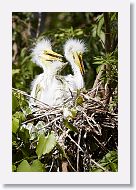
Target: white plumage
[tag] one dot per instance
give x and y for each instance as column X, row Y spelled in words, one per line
column 50, row 87
column 73, row 50
column 45, row 87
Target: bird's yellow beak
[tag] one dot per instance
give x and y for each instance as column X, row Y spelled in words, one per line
column 79, row 61
column 49, row 55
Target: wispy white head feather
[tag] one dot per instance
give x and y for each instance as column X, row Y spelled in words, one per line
column 41, row 46
column 74, row 45
column 74, row 50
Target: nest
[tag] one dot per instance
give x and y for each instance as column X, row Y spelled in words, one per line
column 84, row 137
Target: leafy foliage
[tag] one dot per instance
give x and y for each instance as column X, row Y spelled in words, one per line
column 36, row 166
column 109, row 162
column 45, row 144
column 35, row 149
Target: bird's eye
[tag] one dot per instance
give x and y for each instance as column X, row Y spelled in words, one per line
column 73, row 57
column 80, row 54
column 45, row 51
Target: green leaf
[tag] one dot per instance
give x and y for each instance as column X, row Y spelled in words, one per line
column 24, row 135
column 113, row 16
column 98, row 69
column 24, row 167
column 40, row 146
column 74, row 112
column 15, row 103
column 37, row 166
column 13, row 168
column 100, row 24
column 23, row 53
column 70, row 126
column 61, row 150
column 14, row 143
column 45, row 144
column 20, row 116
column 110, row 156
column 102, row 37
column 109, row 162
column 15, row 71
column 50, row 143
column 80, row 32
column 96, row 170
column 97, row 63
column 114, row 167
column 15, row 125
column 79, row 100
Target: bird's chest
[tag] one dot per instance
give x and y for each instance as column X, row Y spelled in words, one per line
column 46, row 85
column 51, row 90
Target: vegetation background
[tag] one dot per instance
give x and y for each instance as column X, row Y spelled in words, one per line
column 100, row 33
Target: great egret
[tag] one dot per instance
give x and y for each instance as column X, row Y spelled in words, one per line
column 45, row 87
column 73, row 50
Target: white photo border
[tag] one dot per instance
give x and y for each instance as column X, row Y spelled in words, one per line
column 123, row 174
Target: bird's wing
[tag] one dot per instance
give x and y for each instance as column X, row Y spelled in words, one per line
column 36, row 87
column 70, row 80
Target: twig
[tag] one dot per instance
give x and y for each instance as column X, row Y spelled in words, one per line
column 98, row 78
column 90, row 124
column 79, row 138
column 98, row 165
column 48, row 124
column 25, row 94
column 51, row 165
column 107, row 32
column 97, row 125
column 75, row 143
column 71, row 165
column 33, row 119
column 99, row 143
column 108, row 91
column 26, row 158
column 39, row 24
column 71, row 139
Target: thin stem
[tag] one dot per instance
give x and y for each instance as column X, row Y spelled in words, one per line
column 107, row 32
column 25, row 94
column 79, row 138
column 98, row 165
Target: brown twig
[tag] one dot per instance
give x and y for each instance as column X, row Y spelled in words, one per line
column 98, row 165
column 79, row 138
column 29, row 96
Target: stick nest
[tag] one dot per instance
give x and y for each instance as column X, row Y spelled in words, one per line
column 87, row 134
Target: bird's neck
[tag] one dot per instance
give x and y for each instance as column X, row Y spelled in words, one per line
column 49, row 72
column 75, row 69
column 77, row 74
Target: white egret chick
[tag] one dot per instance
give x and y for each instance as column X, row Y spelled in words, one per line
column 45, row 86
column 73, row 50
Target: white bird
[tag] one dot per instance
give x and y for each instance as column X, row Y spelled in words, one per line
column 45, row 87
column 73, row 50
